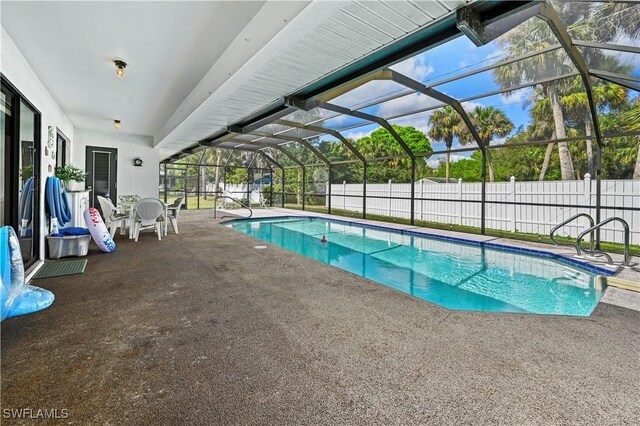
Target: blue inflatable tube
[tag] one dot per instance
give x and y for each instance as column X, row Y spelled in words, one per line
column 57, row 201
column 26, row 201
column 17, row 297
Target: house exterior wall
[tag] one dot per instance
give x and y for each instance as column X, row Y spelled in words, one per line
column 144, row 180
column 17, row 70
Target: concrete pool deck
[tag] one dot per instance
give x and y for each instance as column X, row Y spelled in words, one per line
column 202, row 328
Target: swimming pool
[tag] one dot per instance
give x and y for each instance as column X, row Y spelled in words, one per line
column 453, row 273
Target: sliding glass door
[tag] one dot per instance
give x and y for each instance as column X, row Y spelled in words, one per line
column 20, row 152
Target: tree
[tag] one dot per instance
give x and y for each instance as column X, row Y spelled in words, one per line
column 382, row 144
column 468, row 169
column 489, row 122
column 585, row 21
column 631, row 121
column 606, row 95
column 517, row 42
column 445, row 126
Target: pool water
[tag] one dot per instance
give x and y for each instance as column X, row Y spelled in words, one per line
column 452, row 274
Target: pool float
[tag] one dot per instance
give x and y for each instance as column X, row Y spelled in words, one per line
column 17, row 297
column 98, row 230
column 59, row 208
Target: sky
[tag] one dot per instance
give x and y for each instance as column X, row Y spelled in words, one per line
column 453, row 58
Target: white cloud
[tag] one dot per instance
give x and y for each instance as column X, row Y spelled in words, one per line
column 358, row 135
column 470, row 106
column 405, row 104
column 420, row 121
column 518, row 96
column 499, row 141
column 434, row 162
column 415, row 67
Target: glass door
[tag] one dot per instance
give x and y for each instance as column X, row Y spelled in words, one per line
column 20, row 179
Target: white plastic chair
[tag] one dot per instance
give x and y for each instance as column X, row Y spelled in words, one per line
column 173, row 211
column 257, row 198
column 113, row 219
column 148, row 213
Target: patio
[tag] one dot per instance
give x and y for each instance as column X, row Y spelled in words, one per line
column 201, row 327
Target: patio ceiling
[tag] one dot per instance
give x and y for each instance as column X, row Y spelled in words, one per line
column 326, row 41
column 168, row 46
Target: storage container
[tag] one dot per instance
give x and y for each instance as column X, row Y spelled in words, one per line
column 69, row 245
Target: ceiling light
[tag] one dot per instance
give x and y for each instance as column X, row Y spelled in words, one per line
column 120, row 66
column 116, row 124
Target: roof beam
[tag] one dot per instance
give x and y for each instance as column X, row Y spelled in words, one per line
column 217, row 140
column 320, row 129
column 480, row 33
column 270, row 159
column 607, row 46
column 301, row 141
column 307, row 105
column 433, row 93
column 268, row 145
column 615, row 78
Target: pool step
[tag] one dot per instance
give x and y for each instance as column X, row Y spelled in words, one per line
column 622, row 283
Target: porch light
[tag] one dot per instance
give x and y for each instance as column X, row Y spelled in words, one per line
column 120, row 66
column 116, row 124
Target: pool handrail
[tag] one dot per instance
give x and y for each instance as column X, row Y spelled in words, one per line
column 235, row 200
column 578, row 247
column 627, row 255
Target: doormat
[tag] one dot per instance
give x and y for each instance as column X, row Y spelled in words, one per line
column 61, row 267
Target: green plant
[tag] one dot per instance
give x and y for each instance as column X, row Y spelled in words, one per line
column 69, row 173
column 26, row 172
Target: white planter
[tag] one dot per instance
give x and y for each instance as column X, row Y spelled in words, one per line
column 72, row 185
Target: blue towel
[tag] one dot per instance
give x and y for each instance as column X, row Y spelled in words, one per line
column 63, row 232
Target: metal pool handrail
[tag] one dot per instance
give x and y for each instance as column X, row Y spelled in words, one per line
column 627, row 255
column 577, row 246
column 235, row 200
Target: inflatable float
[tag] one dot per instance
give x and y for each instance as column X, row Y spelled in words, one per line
column 98, row 230
column 17, row 297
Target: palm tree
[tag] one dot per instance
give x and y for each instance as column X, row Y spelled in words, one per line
column 607, row 95
column 518, row 42
column 445, row 126
column 585, row 21
column 490, row 122
column 632, row 123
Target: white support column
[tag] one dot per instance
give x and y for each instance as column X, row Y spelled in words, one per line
column 460, row 204
column 344, row 195
column 389, row 199
column 326, row 194
column 420, row 202
column 587, row 189
column 512, row 198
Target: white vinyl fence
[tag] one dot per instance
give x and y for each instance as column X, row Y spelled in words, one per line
column 459, row 203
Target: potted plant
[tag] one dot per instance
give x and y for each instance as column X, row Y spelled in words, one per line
column 73, row 177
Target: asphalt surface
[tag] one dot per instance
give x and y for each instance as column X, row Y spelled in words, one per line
column 202, row 328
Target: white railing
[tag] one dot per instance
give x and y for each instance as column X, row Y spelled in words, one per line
column 451, row 207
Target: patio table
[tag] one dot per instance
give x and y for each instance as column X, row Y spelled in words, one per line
column 127, row 207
